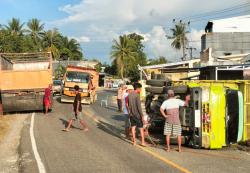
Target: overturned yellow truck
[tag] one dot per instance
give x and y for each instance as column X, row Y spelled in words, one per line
column 218, row 113
column 23, row 79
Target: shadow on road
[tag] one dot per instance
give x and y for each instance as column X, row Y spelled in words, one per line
column 120, row 117
column 65, row 123
column 111, row 130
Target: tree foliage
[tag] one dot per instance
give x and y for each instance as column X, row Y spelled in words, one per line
column 160, row 60
column 127, row 53
column 179, row 37
column 14, row 37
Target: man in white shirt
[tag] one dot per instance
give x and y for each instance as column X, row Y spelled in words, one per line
column 170, row 110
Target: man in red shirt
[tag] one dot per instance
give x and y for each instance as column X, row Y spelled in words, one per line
column 47, row 98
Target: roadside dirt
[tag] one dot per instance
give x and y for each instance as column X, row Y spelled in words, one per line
column 10, row 130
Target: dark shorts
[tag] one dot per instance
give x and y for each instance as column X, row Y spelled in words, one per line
column 136, row 122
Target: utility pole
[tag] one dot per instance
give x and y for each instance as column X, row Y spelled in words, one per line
column 191, row 51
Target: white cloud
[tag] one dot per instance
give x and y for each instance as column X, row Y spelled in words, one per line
column 104, row 20
column 194, row 38
column 82, row 39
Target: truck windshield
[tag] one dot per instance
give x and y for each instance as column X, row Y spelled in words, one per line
column 79, row 77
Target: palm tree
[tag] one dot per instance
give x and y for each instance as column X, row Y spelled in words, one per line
column 51, row 40
column 179, row 36
column 71, row 48
column 15, row 27
column 35, row 29
column 122, row 51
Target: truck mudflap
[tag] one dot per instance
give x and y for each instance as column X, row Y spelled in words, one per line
column 15, row 102
column 68, row 99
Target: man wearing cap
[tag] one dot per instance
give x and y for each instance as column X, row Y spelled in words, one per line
column 128, row 90
column 170, row 110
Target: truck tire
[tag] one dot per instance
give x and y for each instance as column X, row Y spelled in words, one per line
column 156, row 82
column 162, row 76
column 155, row 90
column 182, row 89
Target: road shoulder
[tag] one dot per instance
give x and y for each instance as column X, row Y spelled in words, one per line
column 9, row 146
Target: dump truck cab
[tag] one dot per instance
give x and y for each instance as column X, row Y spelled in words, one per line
column 78, row 76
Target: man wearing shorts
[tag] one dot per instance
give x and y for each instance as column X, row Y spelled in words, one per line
column 170, row 110
column 128, row 90
column 77, row 115
column 135, row 113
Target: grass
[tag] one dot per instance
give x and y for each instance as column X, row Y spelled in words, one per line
column 5, row 122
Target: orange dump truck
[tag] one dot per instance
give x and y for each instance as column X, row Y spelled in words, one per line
column 76, row 75
column 23, row 79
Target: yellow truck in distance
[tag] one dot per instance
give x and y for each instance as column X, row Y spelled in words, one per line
column 23, row 79
column 80, row 76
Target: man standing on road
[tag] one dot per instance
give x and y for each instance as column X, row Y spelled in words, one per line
column 119, row 98
column 47, row 99
column 91, row 89
column 135, row 113
column 170, row 110
column 128, row 90
column 77, row 107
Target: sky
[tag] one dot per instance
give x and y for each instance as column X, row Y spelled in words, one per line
column 96, row 23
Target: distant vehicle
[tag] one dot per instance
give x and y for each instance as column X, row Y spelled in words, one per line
column 57, row 87
column 80, row 76
column 115, row 85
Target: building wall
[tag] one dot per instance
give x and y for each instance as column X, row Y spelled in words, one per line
column 223, row 43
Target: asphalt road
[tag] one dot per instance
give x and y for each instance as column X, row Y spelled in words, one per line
column 98, row 150
column 104, row 149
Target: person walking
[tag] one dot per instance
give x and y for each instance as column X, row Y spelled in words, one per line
column 127, row 91
column 135, row 113
column 47, row 99
column 170, row 110
column 91, row 89
column 77, row 115
column 119, row 98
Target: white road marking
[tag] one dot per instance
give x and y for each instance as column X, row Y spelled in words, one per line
column 39, row 162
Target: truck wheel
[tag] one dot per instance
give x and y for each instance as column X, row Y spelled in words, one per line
column 155, row 82
column 162, row 76
column 155, row 90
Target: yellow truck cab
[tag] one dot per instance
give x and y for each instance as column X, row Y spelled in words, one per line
column 78, row 76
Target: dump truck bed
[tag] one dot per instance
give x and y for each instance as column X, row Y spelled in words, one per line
column 24, row 78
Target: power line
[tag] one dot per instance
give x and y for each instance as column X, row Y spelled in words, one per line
column 218, row 17
column 212, row 13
